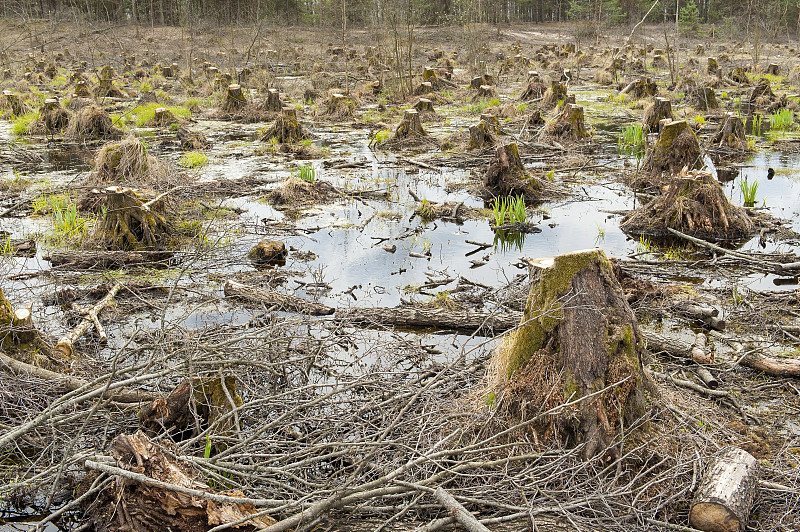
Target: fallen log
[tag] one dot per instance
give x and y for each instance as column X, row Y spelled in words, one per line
column 777, row 367
column 726, row 493
column 439, row 318
column 21, row 369
column 675, row 345
column 66, row 342
column 103, row 260
column 254, row 294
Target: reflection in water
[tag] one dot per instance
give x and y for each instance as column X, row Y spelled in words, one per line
column 507, row 241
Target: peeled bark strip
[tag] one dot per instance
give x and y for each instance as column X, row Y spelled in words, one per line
column 154, row 490
column 578, row 336
column 271, row 298
column 726, row 493
column 65, row 344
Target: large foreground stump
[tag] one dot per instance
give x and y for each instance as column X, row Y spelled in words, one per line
column 578, row 336
column 677, row 147
column 131, row 223
column 727, row 492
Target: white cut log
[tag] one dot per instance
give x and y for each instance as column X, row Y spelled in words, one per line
column 699, row 353
column 726, row 493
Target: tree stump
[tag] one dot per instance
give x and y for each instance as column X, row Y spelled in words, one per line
column 410, row 126
column 268, row 253
column 163, row 117
column 660, row 109
column 507, row 176
column 726, row 493
column 52, row 118
column 712, row 67
column 705, row 99
column 426, row 87
column 762, row 94
column 641, row 88
column 234, row 99
column 693, row 203
column 273, row 102
column 485, row 79
column 429, row 75
column 423, row 106
column 91, row 122
column 286, row 128
column 578, row 336
column 739, row 75
column 485, row 133
column 192, row 140
column 677, row 147
column 18, row 336
column 167, row 71
column 730, row 133
column 129, row 223
column 568, row 125
column 773, row 69
column 339, row 106
column 535, row 88
column 485, row 92
column 556, row 93
column 81, row 90
column 11, row 101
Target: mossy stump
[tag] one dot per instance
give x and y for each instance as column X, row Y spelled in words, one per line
column 762, row 94
column 712, row 66
column 268, row 253
column 130, row 222
column 11, row 103
column 484, row 79
column 410, row 126
column 578, row 336
column 739, row 75
column 677, row 147
column 693, row 203
column 705, row 99
column 507, row 176
column 52, row 119
column 81, row 90
column 234, row 99
column 641, row 88
column 426, row 87
column 730, row 134
column 485, row 133
column 660, row 109
column 339, row 106
column 286, row 128
column 556, row 93
column 569, row 125
column 192, row 140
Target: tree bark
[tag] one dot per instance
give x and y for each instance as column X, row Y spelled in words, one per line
column 270, row 298
column 458, row 320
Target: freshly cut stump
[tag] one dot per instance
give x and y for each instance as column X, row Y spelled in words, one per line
column 578, row 336
column 677, row 147
column 410, row 126
column 694, row 203
column 163, row 117
column 726, row 493
column 286, row 128
column 424, row 105
column 660, row 109
column 569, row 125
column 730, row 134
column 339, row 106
column 507, row 176
column 273, row 102
column 484, row 92
column 234, row 99
column 130, row 223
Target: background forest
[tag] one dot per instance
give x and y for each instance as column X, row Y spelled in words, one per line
column 769, row 18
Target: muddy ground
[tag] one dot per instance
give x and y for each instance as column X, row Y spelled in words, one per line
column 343, row 406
